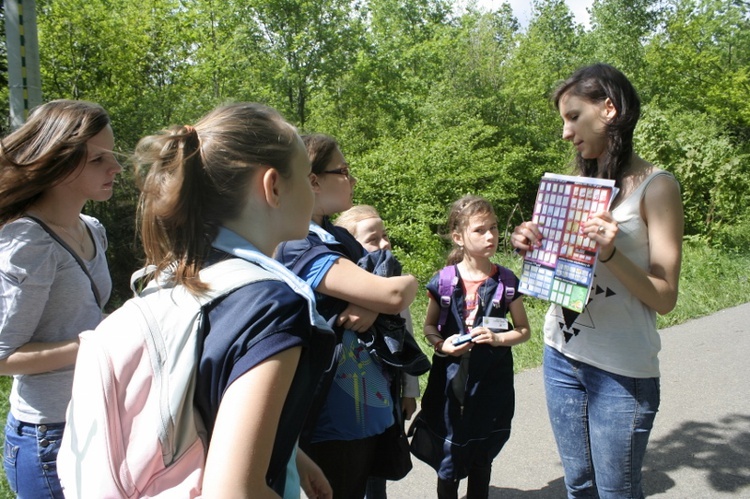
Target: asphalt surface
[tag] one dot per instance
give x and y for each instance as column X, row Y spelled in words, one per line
column 700, row 445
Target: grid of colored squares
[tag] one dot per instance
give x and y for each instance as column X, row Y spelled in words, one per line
column 536, row 280
column 573, row 272
column 559, row 210
column 569, row 295
column 543, row 283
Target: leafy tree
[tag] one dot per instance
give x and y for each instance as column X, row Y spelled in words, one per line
column 546, row 54
column 477, row 55
column 132, row 63
column 227, row 60
column 4, row 90
column 397, row 61
column 700, row 60
column 414, row 178
column 713, row 172
column 619, row 31
column 428, row 103
column 309, row 44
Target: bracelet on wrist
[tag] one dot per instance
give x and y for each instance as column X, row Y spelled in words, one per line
column 614, row 250
column 438, row 347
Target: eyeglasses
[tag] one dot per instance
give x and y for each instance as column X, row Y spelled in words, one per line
column 345, row 171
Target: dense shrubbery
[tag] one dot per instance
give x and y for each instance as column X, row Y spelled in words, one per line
column 428, row 102
column 713, row 171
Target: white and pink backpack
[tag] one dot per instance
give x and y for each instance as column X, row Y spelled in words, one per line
column 131, row 429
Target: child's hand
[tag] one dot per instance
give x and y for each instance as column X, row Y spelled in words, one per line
column 312, row 479
column 356, row 318
column 409, row 406
column 450, row 349
column 485, row 336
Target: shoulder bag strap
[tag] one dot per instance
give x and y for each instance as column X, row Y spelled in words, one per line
column 78, row 259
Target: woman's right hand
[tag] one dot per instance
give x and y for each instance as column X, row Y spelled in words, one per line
column 526, row 237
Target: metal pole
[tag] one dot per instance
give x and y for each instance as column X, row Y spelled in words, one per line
column 23, row 59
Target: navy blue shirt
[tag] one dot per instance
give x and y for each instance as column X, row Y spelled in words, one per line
column 247, row 327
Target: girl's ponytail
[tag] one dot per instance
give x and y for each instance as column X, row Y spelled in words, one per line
column 195, row 178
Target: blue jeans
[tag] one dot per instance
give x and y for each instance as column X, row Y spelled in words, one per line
column 601, row 422
column 31, row 458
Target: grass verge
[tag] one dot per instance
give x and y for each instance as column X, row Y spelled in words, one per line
column 710, row 280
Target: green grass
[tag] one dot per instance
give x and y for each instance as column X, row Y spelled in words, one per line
column 711, row 280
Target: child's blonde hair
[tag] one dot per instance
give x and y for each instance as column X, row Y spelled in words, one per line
column 349, row 219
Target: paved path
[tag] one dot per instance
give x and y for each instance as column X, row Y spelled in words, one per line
column 700, row 445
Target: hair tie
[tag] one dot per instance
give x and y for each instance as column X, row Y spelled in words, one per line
column 191, row 137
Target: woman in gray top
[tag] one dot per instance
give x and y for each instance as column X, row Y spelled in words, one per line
column 59, row 159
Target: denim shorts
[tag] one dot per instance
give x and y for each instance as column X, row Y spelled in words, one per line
column 31, row 458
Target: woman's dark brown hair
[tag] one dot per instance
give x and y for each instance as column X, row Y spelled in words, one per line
column 596, row 83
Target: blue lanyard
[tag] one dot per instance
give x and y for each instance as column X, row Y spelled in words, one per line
column 323, row 234
column 230, row 242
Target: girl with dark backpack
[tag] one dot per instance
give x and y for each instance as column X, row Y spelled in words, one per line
column 354, row 409
column 469, row 400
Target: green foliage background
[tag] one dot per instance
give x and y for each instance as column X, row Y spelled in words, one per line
column 428, row 100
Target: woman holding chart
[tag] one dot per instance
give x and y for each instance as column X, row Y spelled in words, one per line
column 601, row 368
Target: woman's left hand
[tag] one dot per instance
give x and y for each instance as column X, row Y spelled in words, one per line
column 602, row 229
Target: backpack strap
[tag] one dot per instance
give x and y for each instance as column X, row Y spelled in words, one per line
column 505, row 287
column 228, row 275
column 222, row 277
column 175, row 320
column 447, row 281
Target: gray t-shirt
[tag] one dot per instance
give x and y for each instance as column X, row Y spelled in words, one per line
column 46, row 297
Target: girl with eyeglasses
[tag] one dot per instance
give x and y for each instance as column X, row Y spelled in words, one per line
column 355, row 405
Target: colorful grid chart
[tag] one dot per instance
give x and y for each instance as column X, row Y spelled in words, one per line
column 561, row 270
